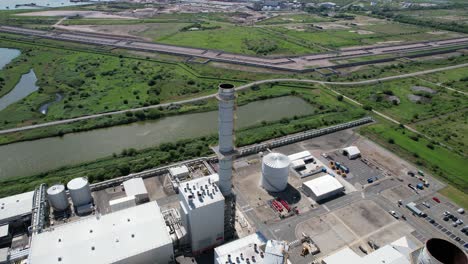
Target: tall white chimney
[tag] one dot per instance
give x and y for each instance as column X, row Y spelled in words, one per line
column 226, row 103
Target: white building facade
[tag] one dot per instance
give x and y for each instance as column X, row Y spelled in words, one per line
column 202, row 213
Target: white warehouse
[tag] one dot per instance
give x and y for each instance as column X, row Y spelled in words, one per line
column 323, row 187
column 136, row 235
column 202, row 213
column 136, row 187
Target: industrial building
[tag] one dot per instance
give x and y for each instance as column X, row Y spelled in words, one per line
column 323, row 187
column 397, row 252
column 275, row 172
column 248, row 246
column 16, row 210
column 254, row 248
column 179, row 172
column 122, row 203
column 202, row 213
column 352, row 152
column 136, row 188
column 303, row 155
column 136, row 235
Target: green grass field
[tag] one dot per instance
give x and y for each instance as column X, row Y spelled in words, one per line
column 231, row 38
column 439, row 161
column 407, row 111
column 451, row 129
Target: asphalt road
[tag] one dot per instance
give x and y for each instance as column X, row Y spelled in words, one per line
column 243, row 87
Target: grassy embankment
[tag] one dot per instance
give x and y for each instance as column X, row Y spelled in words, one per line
column 328, row 111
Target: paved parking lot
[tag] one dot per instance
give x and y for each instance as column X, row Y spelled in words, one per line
column 359, row 172
column 435, row 218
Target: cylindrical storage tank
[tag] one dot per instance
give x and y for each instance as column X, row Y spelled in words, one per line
column 440, row 251
column 57, row 197
column 80, row 192
column 275, row 172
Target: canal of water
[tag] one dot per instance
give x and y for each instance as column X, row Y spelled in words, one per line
column 32, row 157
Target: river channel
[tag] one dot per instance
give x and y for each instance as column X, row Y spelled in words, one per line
column 32, row 157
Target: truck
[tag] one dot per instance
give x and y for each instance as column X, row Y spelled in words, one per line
column 412, row 207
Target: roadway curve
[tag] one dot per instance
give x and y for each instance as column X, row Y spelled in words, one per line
column 243, row 87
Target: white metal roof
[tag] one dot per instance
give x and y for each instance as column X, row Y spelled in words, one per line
column 404, row 245
column 201, row 191
column 275, row 251
column 3, row 231
column 276, row 160
column 386, row 254
column 345, row 255
column 179, row 170
column 121, row 200
column 114, row 236
column 239, row 244
column 297, row 163
column 3, row 255
column 352, row 150
column 16, row 206
column 299, row 155
column 134, row 187
column 323, row 185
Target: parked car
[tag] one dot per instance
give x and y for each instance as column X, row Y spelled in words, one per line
column 410, row 173
column 455, row 224
column 447, row 213
column 457, row 239
column 459, row 222
column 427, row 204
column 446, row 218
column 394, row 214
column 436, row 199
column 461, row 211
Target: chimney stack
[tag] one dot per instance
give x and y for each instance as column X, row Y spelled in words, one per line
column 226, row 103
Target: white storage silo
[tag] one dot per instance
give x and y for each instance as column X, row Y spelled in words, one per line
column 80, row 192
column 275, row 172
column 57, row 197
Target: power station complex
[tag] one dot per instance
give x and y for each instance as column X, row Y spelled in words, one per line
column 260, row 207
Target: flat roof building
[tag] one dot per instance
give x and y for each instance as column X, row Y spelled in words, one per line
column 179, row 172
column 397, row 252
column 16, row 207
column 136, row 187
column 136, row 235
column 323, row 187
column 245, row 246
column 202, row 213
column 299, row 156
column 252, row 249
